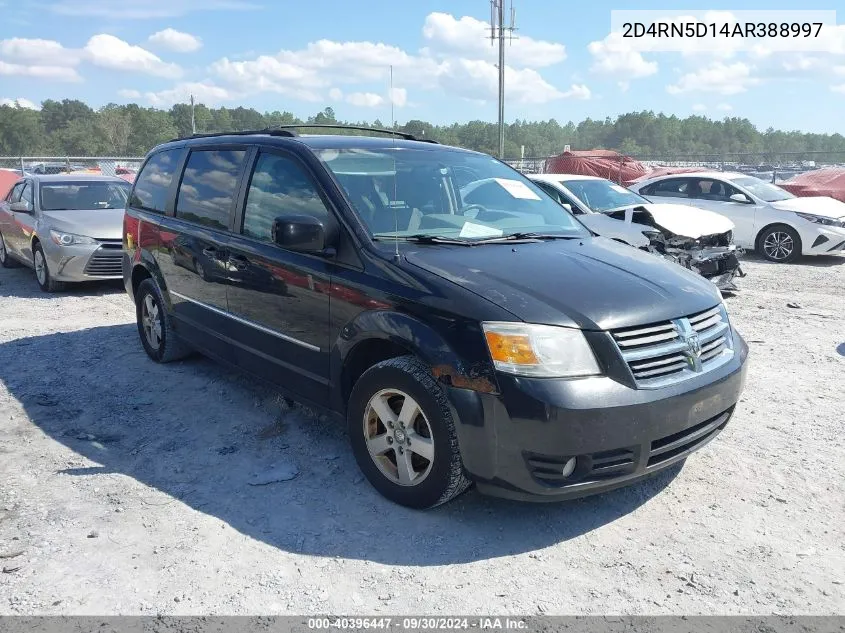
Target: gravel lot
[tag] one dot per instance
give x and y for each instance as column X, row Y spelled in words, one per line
column 125, row 487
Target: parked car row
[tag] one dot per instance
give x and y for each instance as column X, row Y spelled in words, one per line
column 463, row 325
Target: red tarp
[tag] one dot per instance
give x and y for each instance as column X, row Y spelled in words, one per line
column 596, row 162
column 8, row 178
column 819, row 182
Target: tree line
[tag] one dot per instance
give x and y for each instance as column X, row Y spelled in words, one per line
column 72, row 128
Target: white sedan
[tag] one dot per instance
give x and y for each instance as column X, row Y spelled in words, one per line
column 768, row 219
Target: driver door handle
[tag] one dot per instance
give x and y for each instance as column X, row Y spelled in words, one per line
column 239, row 262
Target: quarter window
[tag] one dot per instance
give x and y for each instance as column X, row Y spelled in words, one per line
column 278, row 187
column 209, row 187
column 153, row 182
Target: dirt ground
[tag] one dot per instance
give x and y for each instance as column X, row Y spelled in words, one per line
column 125, row 487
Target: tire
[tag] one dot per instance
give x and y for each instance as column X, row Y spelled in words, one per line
column 155, row 329
column 779, row 243
column 42, row 271
column 201, row 270
column 6, row 260
column 429, row 481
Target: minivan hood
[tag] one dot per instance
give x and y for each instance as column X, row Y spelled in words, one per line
column 591, row 283
column 103, row 224
column 817, row 205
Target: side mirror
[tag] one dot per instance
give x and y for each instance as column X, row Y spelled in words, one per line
column 302, row 233
column 741, row 198
column 20, row 207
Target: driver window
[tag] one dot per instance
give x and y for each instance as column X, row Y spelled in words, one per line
column 278, row 187
column 26, row 196
column 15, row 193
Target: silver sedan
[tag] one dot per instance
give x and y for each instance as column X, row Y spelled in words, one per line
column 68, row 227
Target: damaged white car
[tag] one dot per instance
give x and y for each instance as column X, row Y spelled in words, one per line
column 694, row 238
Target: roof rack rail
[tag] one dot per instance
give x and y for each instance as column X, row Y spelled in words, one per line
column 362, row 128
column 270, row 131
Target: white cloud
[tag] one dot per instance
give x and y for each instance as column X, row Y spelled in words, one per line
column 699, row 107
column 20, row 103
column 399, row 96
column 129, row 94
column 365, row 99
column 469, row 37
column 176, row 41
column 146, row 9
column 724, row 107
column 204, row 92
column 624, row 86
column 38, row 52
column 718, row 78
column 112, row 52
column 615, row 56
column 839, row 88
column 52, row 73
column 335, row 94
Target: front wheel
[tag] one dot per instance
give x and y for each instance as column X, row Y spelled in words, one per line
column 403, row 435
column 780, row 244
column 154, row 326
column 42, row 271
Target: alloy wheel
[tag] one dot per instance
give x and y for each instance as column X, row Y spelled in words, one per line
column 151, row 322
column 398, row 437
column 778, row 245
column 40, row 267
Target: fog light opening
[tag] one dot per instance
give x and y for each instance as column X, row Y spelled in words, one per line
column 568, row 467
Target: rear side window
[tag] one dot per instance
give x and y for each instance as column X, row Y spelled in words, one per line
column 209, row 187
column 675, row 188
column 153, row 182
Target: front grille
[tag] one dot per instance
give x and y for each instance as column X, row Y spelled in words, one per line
column 659, row 354
column 105, row 263
column 686, row 441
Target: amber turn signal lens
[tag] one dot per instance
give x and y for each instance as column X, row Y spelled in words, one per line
column 511, row 348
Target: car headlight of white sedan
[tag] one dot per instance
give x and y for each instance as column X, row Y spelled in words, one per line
column 818, row 219
column 70, row 239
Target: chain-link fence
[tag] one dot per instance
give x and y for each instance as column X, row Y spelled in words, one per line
column 770, row 166
column 125, row 167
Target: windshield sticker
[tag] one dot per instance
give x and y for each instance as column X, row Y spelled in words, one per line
column 470, row 229
column 517, row 189
column 619, row 189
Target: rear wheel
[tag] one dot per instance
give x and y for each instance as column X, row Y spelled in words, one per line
column 5, row 259
column 403, row 436
column 42, row 271
column 154, row 326
column 780, row 244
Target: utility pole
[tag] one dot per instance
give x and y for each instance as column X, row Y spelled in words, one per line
column 497, row 22
column 193, row 121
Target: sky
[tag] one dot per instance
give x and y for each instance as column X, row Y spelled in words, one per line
column 565, row 61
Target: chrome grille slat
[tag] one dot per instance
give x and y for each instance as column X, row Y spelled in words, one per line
column 660, row 354
column 105, row 263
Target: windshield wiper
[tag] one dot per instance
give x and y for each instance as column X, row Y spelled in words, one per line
column 526, row 237
column 422, row 238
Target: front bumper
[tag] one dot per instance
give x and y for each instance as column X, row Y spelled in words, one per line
column 823, row 240
column 517, row 443
column 83, row 262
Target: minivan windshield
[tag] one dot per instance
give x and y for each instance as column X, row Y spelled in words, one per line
column 83, row 196
column 602, row 195
column 442, row 193
column 762, row 189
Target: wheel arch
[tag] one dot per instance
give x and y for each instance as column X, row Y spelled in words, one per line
column 143, row 270
column 378, row 335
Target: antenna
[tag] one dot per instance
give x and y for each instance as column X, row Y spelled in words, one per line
column 497, row 21
column 396, row 255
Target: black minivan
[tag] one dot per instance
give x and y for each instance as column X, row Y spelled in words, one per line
column 463, row 324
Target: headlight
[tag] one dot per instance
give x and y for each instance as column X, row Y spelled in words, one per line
column 67, row 239
column 542, row 351
column 817, row 219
